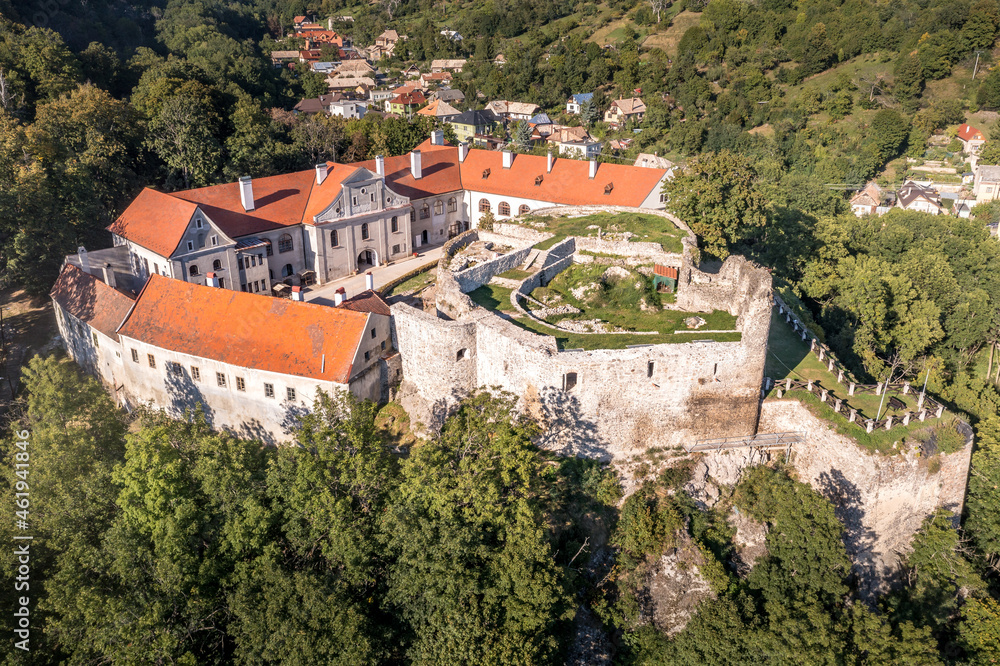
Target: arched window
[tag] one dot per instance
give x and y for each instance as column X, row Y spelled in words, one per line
column 503, row 208
column 193, row 270
column 216, row 265
column 523, row 209
column 452, row 205
column 394, row 224
column 334, row 241
column 484, row 205
column 284, row 243
column 425, row 211
column 439, row 208
column 364, row 231
column 287, row 270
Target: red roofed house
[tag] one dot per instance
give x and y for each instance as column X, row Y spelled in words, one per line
column 337, row 219
column 184, row 345
column 406, row 103
column 622, row 111
column 972, row 139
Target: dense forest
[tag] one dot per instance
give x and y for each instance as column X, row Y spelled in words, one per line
column 165, row 542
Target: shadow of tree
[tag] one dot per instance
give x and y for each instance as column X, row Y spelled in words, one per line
column 565, row 429
column 184, row 395
column 254, row 430
column 848, row 506
column 291, row 420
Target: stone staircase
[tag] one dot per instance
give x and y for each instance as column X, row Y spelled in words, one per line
column 535, row 258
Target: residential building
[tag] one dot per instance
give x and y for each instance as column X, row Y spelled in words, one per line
column 354, row 69
column 512, row 110
column 972, row 139
column 319, row 104
column 623, row 111
column 653, row 161
column 387, row 39
column 867, row 200
column 412, row 72
column 452, row 35
column 435, row 79
column 452, row 96
column 282, row 58
column 253, row 365
column 986, row 185
column 588, row 149
column 447, row 65
column 500, row 60
column 575, row 103
column 443, row 111
column 541, row 123
column 473, row 122
column 349, row 109
column 407, row 103
column 354, row 83
column 318, row 38
column 380, row 97
column 913, row 196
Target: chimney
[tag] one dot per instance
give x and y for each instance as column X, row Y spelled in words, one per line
column 593, row 169
column 211, row 280
column 84, row 259
column 296, row 293
column 109, row 276
column 415, row 164
column 508, row 159
column 338, row 297
column 463, row 152
column 246, row 193
column 550, row 161
column 437, row 137
column 321, row 171
column 380, row 165
column 369, row 281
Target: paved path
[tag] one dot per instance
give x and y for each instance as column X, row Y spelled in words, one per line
column 355, row 284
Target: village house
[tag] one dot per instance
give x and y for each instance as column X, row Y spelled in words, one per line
column 542, row 124
column 580, row 149
column 447, row 65
column 407, row 103
column 972, row 139
column 443, row 111
column 452, row 35
column 300, row 21
column 653, row 161
column 623, row 111
column 452, row 96
column 867, row 200
column 349, row 109
column 473, row 122
column 435, row 79
column 575, row 103
column 411, row 72
column 512, row 110
column 319, row 104
column 318, row 38
column 500, row 60
column 912, row 196
column 360, row 85
column 181, row 346
column 986, row 185
column 354, row 69
column 281, row 58
column 388, row 39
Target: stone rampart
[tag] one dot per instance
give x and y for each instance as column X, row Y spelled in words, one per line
column 478, row 275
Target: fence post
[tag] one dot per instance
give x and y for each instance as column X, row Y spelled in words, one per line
column 809, row 386
column 869, row 425
column 788, row 383
column 836, row 405
column 940, row 411
column 906, row 419
column 822, row 352
column 922, row 415
column 850, row 389
column 920, row 400
column 888, row 422
column 829, row 364
column 779, row 393
column 906, row 387
column 822, row 395
column 878, row 389
column 840, row 375
column 853, row 417
column 804, row 336
column 812, row 345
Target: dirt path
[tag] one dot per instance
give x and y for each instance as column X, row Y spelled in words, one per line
column 29, row 326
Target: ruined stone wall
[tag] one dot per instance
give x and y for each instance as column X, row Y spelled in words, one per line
column 881, row 499
column 478, row 275
column 520, row 231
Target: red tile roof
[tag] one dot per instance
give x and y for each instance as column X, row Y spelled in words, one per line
column 90, row 300
column 368, row 301
column 438, row 167
column 155, row 221
column 968, row 132
column 247, row 330
column 666, row 271
column 568, row 184
column 409, row 99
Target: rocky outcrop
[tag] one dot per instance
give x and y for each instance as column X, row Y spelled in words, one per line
column 675, row 587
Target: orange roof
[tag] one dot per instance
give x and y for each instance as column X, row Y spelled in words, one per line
column 90, row 300
column 968, row 132
column 438, row 169
column 368, row 301
column 409, row 98
column 313, row 341
column 568, row 184
column 155, row 221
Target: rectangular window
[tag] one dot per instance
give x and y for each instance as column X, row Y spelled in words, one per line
column 268, row 390
column 383, row 345
column 334, row 241
column 240, row 384
column 190, row 246
column 290, row 392
column 220, row 379
column 395, row 249
column 395, row 224
column 152, row 360
column 222, row 283
column 215, row 240
column 196, row 373
column 354, row 200
column 156, row 268
column 96, row 343
column 373, row 334
column 243, row 287
column 135, row 355
column 174, row 368
column 569, row 381
column 368, row 355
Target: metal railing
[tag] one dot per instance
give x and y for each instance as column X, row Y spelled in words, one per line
column 770, row 440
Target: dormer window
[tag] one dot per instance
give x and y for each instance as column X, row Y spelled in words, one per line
column 608, row 188
column 486, row 173
column 538, row 180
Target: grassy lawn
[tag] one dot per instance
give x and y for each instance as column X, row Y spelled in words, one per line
column 515, row 274
column 566, row 340
column 493, row 297
column 671, row 37
column 647, row 228
column 415, row 283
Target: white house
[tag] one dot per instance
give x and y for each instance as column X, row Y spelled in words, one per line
column 348, row 109
column 986, row 184
column 586, row 149
column 912, row 196
column 575, row 103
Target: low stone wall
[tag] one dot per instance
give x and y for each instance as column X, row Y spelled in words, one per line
column 650, row 251
column 478, row 275
column 520, row 231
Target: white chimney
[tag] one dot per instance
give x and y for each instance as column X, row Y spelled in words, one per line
column 211, row 280
column 109, row 276
column 84, row 259
column 463, row 152
column 296, row 293
column 369, row 281
column 338, row 297
column 437, row 137
column 246, row 193
column 550, row 162
column 321, row 171
column 593, row 169
column 380, row 165
column 508, row 159
column 415, row 164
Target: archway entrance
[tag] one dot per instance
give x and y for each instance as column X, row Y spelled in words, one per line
column 367, row 259
column 424, row 237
